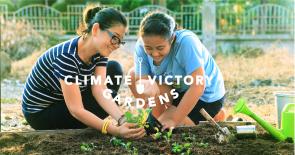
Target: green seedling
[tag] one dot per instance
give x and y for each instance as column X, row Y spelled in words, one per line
column 176, row 148
column 168, row 135
column 87, row 147
column 188, row 138
column 24, row 122
column 128, row 145
column 187, row 148
column 184, row 149
column 135, row 151
column 204, row 145
column 139, row 119
column 116, row 141
column 187, row 145
column 157, row 135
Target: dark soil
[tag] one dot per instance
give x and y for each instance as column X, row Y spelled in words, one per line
column 69, row 142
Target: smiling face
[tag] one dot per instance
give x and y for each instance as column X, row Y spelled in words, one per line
column 106, row 41
column 157, row 47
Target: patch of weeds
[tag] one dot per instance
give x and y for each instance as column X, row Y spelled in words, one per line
column 116, row 141
column 188, row 138
column 24, row 122
column 85, row 147
column 10, row 100
column 126, row 145
column 166, row 135
column 184, row 149
column 204, row 145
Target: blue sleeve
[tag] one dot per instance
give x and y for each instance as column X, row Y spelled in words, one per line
column 65, row 66
column 189, row 54
column 140, row 53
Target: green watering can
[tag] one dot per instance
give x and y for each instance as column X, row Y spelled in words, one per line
column 287, row 123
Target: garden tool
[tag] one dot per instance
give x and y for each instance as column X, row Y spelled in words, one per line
column 224, row 130
column 223, row 135
column 287, row 130
column 140, row 86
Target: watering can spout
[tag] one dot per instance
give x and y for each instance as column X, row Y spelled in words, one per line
column 241, row 107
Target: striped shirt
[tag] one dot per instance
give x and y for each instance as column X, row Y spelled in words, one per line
column 42, row 86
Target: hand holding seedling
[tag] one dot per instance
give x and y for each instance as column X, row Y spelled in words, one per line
column 134, row 126
column 131, row 130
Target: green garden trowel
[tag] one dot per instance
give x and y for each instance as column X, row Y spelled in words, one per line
column 287, row 123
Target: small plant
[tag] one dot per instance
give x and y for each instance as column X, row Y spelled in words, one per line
column 139, row 119
column 24, row 122
column 116, row 141
column 188, row 138
column 167, row 136
column 157, row 135
column 204, row 145
column 128, row 145
column 176, row 148
column 85, row 147
column 181, row 148
column 187, row 148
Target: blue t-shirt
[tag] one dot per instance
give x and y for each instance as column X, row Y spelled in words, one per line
column 186, row 55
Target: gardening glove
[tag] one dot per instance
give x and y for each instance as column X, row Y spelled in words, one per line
column 152, row 125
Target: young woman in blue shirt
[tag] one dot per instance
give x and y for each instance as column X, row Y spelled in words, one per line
column 163, row 50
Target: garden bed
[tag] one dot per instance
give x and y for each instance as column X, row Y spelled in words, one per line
column 199, row 140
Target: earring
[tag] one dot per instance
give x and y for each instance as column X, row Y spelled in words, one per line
column 84, row 35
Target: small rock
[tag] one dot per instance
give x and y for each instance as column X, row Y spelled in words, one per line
column 7, row 118
column 259, row 82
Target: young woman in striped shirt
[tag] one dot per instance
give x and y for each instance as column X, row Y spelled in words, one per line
column 53, row 99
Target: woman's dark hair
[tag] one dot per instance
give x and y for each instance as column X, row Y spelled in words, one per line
column 106, row 18
column 157, row 23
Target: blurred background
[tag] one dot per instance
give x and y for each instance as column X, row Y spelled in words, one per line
column 252, row 41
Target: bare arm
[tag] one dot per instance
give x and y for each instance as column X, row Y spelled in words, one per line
column 190, row 98
column 106, row 103
column 74, row 103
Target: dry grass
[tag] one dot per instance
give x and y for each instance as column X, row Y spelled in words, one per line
column 276, row 64
column 20, row 69
column 266, row 111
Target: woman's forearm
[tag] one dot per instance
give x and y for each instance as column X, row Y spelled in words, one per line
column 191, row 97
column 93, row 121
column 107, row 103
column 187, row 104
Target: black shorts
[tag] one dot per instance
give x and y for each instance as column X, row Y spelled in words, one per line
column 212, row 108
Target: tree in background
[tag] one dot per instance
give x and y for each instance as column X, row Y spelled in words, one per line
column 22, row 3
column 11, row 6
column 129, row 5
